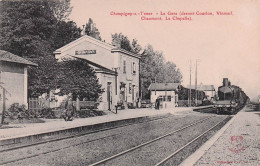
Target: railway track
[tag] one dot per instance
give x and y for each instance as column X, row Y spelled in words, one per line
column 187, row 144
column 88, row 141
column 9, row 147
column 126, row 152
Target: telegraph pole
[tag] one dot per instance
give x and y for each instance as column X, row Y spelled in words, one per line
column 155, row 85
column 196, row 93
column 190, row 87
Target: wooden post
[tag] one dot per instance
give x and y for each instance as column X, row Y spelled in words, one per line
column 77, row 104
column 3, row 113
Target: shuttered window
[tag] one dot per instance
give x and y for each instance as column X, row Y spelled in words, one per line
column 124, row 66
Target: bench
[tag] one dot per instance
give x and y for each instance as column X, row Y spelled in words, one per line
column 88, row 105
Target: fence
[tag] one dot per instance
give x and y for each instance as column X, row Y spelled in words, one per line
column 36, row 104
column 185, row 103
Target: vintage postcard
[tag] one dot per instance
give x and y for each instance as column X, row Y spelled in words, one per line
column 129, row 82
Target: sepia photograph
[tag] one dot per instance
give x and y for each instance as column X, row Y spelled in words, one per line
column 129, row 82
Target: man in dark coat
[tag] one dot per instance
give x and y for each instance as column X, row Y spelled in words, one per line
column 158, row 103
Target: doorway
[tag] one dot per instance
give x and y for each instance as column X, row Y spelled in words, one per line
column 109, row 95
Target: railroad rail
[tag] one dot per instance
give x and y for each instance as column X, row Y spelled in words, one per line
column 148, row 142
column 104, row 129
column 161, row 137
column 187, row 144
column 71, row 136
column 35, row 155
column 2, row 149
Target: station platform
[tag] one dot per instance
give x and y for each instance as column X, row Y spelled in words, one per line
column 14, row 131
column 237, row 143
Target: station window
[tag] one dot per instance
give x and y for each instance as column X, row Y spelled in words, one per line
column 169, row 98
column 124, row 66
column 134, row 68
column 130, row 88
column 164, row 98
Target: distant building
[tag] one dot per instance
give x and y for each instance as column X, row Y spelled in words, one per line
column 166, row 92
column 208, row 89
column 116, row 69
column 13, row 78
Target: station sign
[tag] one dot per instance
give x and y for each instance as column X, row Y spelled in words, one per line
column 85, row 52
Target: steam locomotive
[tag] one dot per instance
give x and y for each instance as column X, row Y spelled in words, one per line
column 231, row 98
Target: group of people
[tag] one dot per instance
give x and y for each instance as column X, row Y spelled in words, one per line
column 70, row 109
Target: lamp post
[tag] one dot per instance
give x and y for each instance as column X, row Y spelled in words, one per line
column 196, row 78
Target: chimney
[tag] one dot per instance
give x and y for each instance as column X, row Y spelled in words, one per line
column 225, row 81
column 83, row 30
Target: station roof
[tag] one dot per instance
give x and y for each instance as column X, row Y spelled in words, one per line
column 99, row 43
column 203, row 87
column 164, row 86
column 9, row 57
column 97, row 67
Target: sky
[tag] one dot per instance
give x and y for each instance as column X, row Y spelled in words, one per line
column 224, row 46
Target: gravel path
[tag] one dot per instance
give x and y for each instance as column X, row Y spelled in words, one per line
column 238, row 145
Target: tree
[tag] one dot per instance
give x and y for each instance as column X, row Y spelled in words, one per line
column 43, row 78
column 61, row 9
column 71, row 76
column 78, row 78
column 29, row 28
column 26, row 28
column 123, row 42
column 65, row 33
column 153, row 66
column 91, row 30
column 136, row 48
column 171, row 73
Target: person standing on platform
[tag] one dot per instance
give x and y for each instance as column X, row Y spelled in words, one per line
column 69, row 109
column 158, row 103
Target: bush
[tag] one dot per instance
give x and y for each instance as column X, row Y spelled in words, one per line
column 88, row 113
column 50, row 113
column 58, row 113
column 17, row 111
column 130, row 106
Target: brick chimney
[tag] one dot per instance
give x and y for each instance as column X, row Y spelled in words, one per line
column 225, row 81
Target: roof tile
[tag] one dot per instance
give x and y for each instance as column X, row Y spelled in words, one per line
column 163, row 86
column 9, row 57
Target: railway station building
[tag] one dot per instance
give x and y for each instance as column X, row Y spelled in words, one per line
column 13, row 80
column 116, row 69
column 165, row 92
